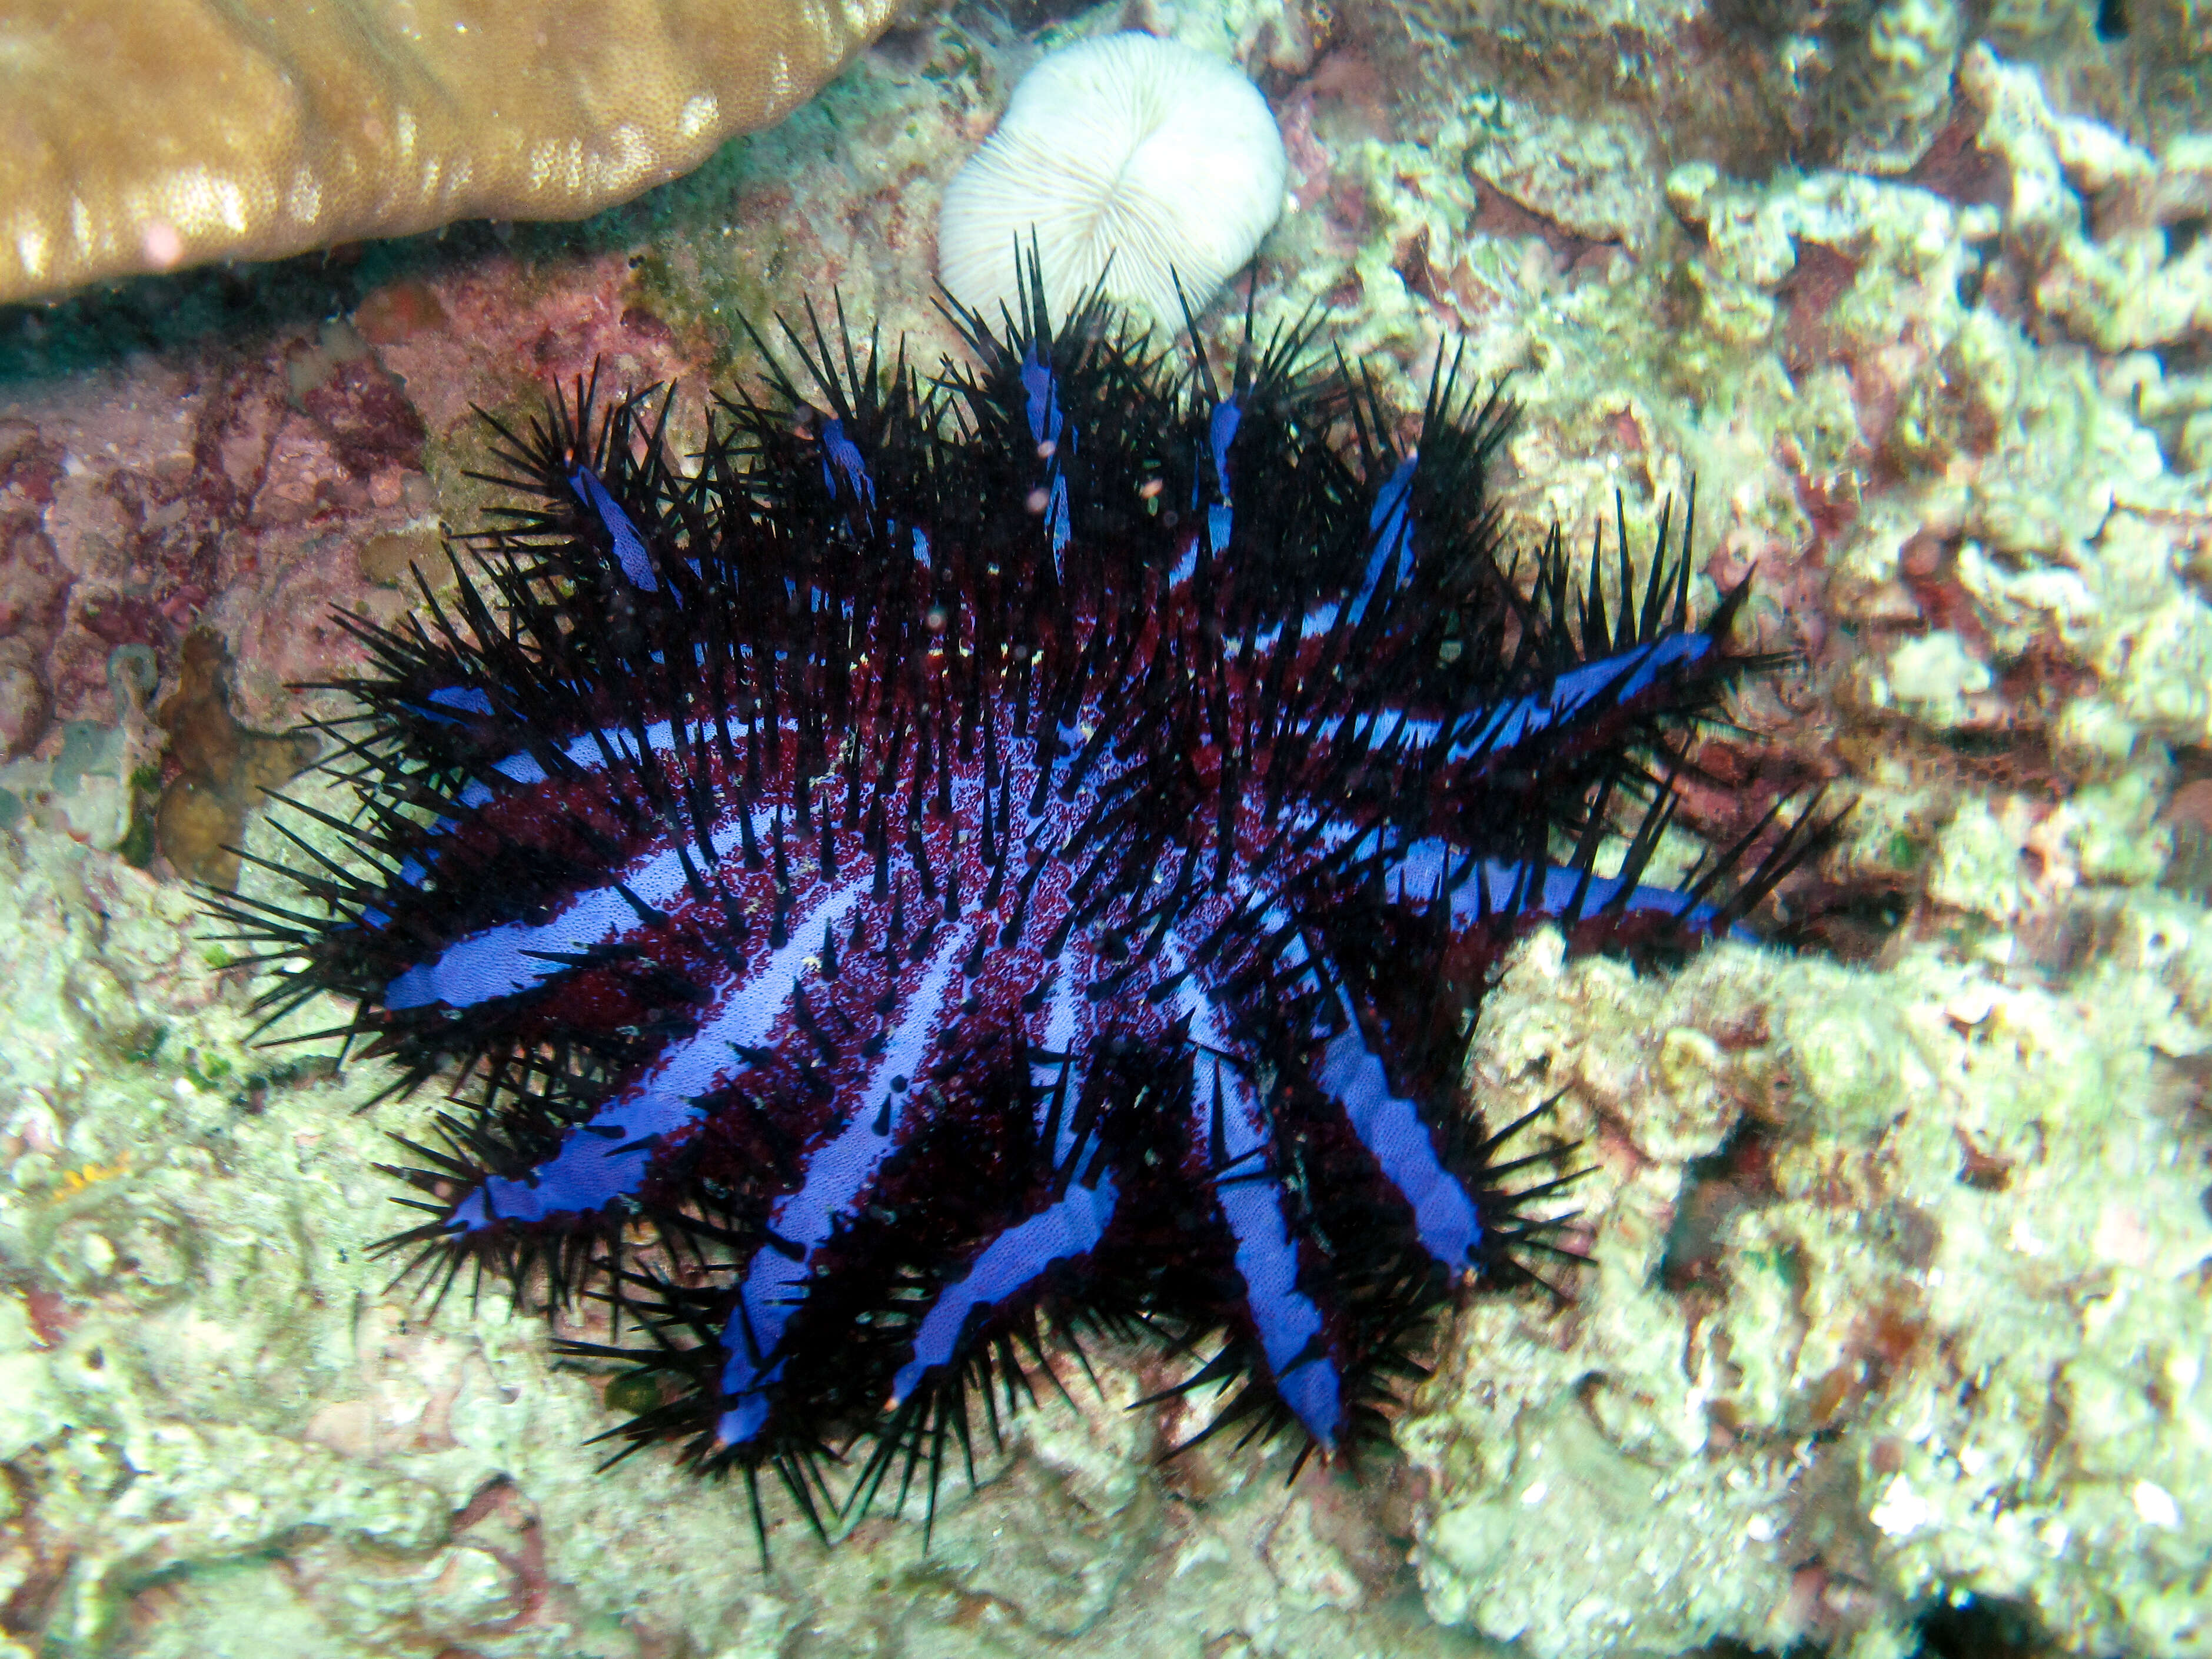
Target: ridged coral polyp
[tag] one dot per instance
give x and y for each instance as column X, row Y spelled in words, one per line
column 1014, row 850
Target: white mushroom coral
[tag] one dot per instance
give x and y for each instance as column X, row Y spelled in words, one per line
column 1139, row 150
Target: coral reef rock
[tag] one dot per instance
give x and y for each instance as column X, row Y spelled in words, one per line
column 1900, row 1294
column 1889, row 89
column 1896, row 1311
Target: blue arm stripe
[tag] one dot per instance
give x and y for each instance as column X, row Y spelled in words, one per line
column 584, row 1173
column 1009, row 1263
column 629, row 547
column 837, row 1172
column 1390, row 1128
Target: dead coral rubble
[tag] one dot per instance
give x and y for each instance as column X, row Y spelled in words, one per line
column 221, row 769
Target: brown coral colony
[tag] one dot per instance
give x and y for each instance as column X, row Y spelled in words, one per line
column 160, row 133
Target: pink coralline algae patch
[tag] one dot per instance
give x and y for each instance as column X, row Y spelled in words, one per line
column 257, row 486
column 484, row 334
column 1325, row 118
column 138, row 500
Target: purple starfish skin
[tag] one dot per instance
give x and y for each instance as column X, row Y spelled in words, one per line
column 1036, row 810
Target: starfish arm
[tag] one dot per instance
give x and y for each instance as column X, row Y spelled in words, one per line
column 631, row 554
column 837, row 1173
column 1597, row 687
column 1351, row 1075
column 1251, row 1198
column 512, row 957
column 1484, row 888
column 608, row 1157
column 1012, row 1262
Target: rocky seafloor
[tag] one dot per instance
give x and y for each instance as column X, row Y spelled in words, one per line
column 1900, row 1309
